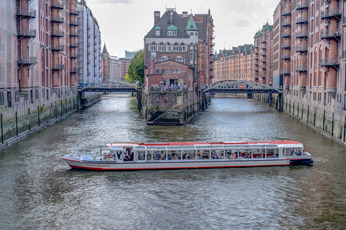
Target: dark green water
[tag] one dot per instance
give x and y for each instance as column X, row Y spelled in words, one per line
column 39, row 191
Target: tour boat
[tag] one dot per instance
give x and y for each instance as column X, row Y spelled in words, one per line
column 191, row 155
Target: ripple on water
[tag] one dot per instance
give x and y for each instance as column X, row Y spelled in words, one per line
column 38, row 191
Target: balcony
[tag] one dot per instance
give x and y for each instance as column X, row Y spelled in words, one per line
column 264, row 48
column 57, row 48
column 285, row 72
column 302, row 68
column 264, row 61
column 57, row 33
column 286, row 11
column 331, row 13
column 302, row 20
column 57, row 5
column 301, row 49
column 73, row 12
column 26, row 33
column 330, row 35
column 302, row 5
column 286, row 46
column 74, row 23
column 329, row 62
column 264, row 67
column 57, row 19
column 74, row 34
column 285, row 57
column 302, row 35
column 26, row 61
column 74, row 70
column 58, row 67
column 26, row 13
column 286, row 24
column 263, row 41
column 263, row 54
column 73, row 45
column 285, row 35
column 73, row 55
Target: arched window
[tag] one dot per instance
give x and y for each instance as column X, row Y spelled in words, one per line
column 176, row 47
column 168, row 47
column 161, row 47
column 152, row 47
column 182, row 47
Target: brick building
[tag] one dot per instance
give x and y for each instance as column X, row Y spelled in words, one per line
column 183, row 43
column 235, row 64
column 307, row 61
column 38, row 62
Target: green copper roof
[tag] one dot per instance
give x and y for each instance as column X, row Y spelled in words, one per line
column 172, row 27
column 157, row 28
column 191, row 25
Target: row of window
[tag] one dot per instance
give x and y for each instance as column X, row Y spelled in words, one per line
column 207, row 154
column 172, row 71
column 169, row 47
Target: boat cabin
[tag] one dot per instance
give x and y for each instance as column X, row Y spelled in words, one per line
column 126, row 152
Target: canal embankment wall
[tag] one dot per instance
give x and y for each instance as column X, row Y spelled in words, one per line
column 25, row 119
column 327, row 120
column 174, row 107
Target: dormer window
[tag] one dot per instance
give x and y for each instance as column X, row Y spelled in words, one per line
column 172, row 30
column 157, row 31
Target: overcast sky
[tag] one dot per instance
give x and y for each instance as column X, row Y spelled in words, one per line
column 124, row 23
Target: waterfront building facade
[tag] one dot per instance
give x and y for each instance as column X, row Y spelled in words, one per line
column 184, row 44
column 39, row 55
column 303, row 54
column 89, row 49
column 235, row 64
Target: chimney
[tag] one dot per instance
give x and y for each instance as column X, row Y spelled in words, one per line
column 156, row 16
column 184, row 14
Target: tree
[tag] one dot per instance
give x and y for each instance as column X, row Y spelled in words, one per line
column 135, row 71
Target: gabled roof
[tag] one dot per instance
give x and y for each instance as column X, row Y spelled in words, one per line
column 168, row 21
column 191, row 25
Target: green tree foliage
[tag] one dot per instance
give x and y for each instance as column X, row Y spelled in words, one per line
column 135, row 71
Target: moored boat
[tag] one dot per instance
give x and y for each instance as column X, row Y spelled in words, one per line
column 189, row 155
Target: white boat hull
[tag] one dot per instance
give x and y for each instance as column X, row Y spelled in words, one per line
column 159, row 165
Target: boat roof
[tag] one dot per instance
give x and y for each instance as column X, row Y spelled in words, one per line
column 206, row 144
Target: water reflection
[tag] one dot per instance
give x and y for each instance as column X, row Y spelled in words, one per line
column 39, row 191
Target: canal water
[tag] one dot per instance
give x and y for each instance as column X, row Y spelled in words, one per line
column 39, row 191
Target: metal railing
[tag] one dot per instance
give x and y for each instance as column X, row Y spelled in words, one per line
column 57, row 33
column 25, row 32
column 26, row 60
column 330, row 13
column 58, row 47
column 57, row 5
column 56, row 18
column 26, row 12
column 329, row 34
column 301, row 68
column 301, row 48
column 58, row 67
column 329, row 61
column 302, row 5
column 302, row 20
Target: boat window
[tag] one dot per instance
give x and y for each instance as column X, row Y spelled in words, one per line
column 150, row 155
column 231, row 154
column 244, row 153
column 272, row 153
column 173, row 155
column 157, row 155
column 188, row 154
column 293, row 151
column 163, row 155
column 128, row 154
column 141, row 155
column 258, row 153
column 203, row 154
column 217, row 154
